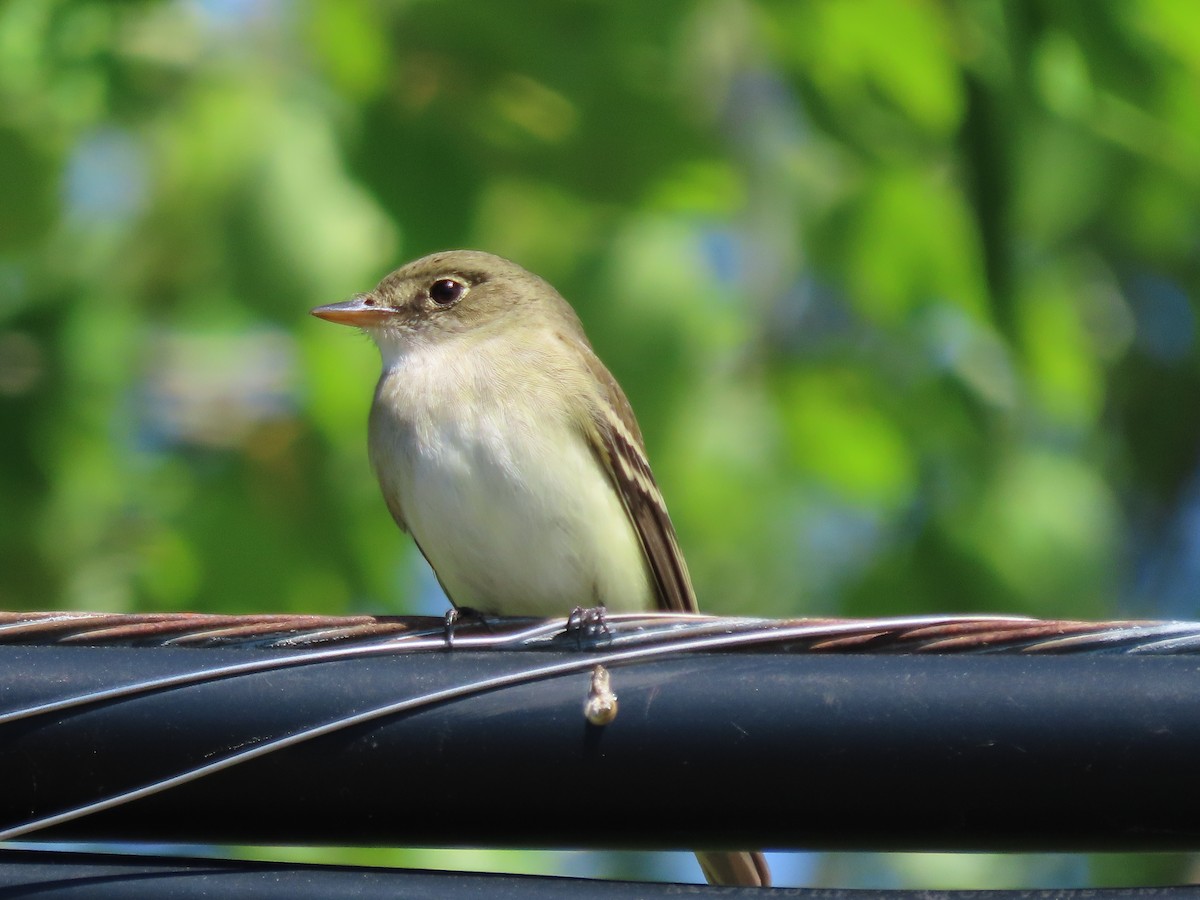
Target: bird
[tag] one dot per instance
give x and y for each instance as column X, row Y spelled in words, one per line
column 510, row 454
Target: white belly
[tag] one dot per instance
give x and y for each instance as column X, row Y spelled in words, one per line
column 511, row 508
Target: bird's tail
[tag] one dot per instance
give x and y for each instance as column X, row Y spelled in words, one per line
column 734, row 868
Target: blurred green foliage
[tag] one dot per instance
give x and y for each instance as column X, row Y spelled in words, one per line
column 904, row 292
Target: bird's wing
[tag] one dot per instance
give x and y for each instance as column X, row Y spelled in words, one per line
column 616, row 440
column 386, row 441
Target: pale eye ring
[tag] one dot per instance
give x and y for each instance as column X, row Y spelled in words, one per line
column 446, row 291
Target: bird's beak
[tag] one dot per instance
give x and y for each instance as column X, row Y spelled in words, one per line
column 361, row 310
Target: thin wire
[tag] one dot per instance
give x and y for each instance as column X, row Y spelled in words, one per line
column 307, row 734
column 229, row 670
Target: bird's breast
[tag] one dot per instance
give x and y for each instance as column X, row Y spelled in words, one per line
column 502, row 491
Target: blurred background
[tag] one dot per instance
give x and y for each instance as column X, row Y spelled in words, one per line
column 904, row 293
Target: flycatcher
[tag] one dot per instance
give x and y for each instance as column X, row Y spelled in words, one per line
column 506, row 449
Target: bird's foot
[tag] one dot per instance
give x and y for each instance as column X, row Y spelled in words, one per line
column 456, row 615
column 588, row 622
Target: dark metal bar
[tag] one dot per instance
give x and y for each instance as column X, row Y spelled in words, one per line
column 728, row 747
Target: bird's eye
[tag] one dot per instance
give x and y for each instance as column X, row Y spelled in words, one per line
column 445, row 291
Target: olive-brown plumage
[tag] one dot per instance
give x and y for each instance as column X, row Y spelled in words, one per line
column 511, row 455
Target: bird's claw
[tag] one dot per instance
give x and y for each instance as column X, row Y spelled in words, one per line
column 588, row 622
column 455, row 615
